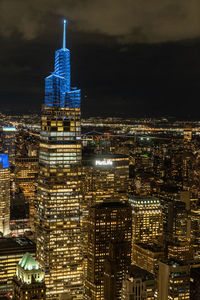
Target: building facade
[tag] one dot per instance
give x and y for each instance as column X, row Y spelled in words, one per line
column 173, row 280
column 147, row 219
column 109, row 223
column 8, row 141
column 147, row 256
column 115, row 267
column 58, row 221
column 4, row 195
column 194, row 282
column 105, row 178
column 138, row 284
column 25, row 176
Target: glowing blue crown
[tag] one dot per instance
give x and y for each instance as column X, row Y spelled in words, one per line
column 58, row 91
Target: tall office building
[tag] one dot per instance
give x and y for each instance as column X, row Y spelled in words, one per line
column 194, row 282
column 4, row 195
column 58, row 227
column 25, row 174
column 177, row 222
column 195, row 232
column 147, row 219
column 147, row 256
column 115, row 268
column 109, row 226
column 179, row 232
column 173, row 280
column 8, row 141
column 105, row 178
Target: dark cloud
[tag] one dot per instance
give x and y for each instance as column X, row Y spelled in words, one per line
column 117, row 55
column 129, row 21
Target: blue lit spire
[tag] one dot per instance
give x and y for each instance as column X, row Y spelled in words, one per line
column 58, row 91
column 64, row 34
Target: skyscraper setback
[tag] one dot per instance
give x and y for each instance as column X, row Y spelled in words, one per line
column 58, row 229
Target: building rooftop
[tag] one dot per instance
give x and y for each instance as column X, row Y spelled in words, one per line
column 152, row 247
column 174, row 263
column 104, row 156
column 8, row 245
column 111, row 204
column 28, row 262
column 136, row 272
column 143, row 200
column 90, row 159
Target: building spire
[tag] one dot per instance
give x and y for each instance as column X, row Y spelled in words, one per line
column 64, row 34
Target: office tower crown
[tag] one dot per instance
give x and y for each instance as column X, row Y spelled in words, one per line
column 29, row 280
column 58, row 91
column 28, row 270
column 28, row 262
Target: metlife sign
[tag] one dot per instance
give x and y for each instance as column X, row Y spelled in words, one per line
column 103, row 163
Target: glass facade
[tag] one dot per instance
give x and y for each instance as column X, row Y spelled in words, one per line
column 147, row 219
column 4, row 195
column 8, row 142
column 25, row 174
column 173, row 280
column 58, row 221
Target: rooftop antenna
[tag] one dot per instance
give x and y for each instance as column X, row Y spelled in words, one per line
column 64, row 33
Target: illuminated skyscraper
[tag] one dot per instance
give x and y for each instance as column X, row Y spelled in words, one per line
column 58, row 226
column 179, row 228
column 4, row 195
column 147, row 219
column 26, row 171
column 8, row 139
column 105, row 178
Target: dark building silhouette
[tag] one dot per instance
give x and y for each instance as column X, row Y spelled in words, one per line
column 109, row 224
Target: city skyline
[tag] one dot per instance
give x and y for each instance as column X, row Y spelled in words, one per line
column 129, row 70
column 100, row 158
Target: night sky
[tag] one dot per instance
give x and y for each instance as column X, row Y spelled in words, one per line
column 131, row 58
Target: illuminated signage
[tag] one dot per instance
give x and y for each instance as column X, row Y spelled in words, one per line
column 103, row 163
column 9, row 129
